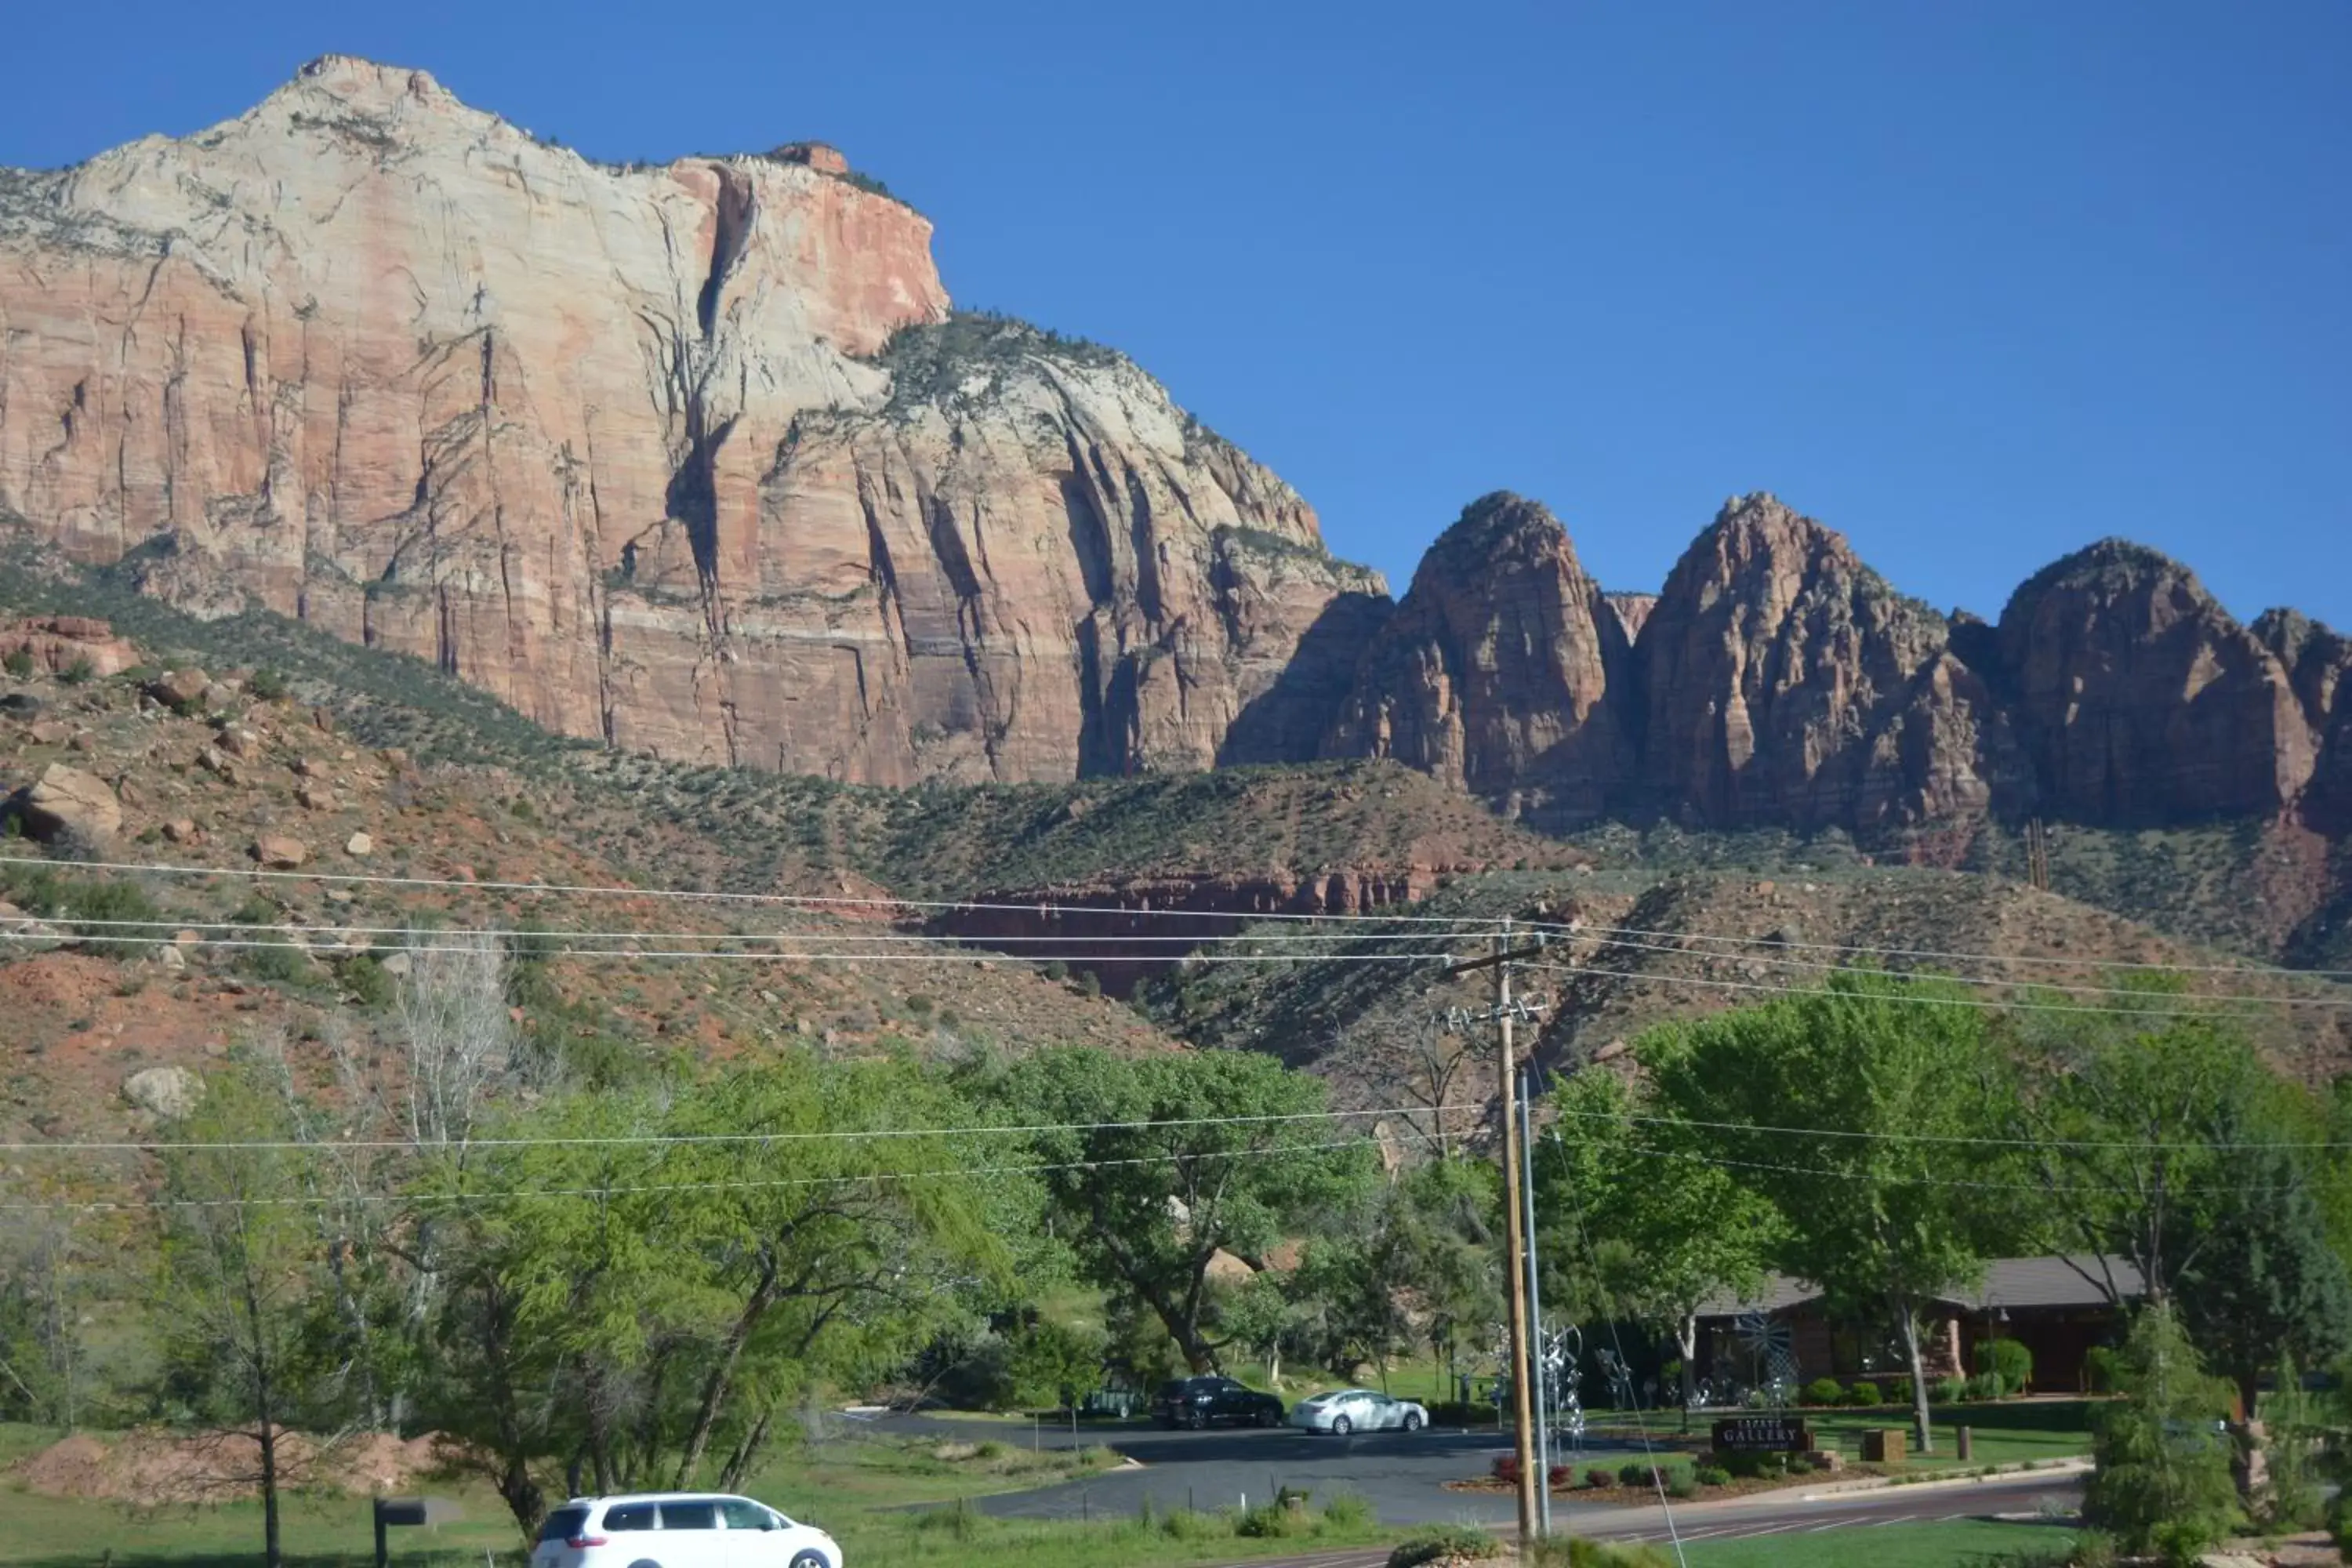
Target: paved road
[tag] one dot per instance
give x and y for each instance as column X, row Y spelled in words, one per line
column 1403, row 1477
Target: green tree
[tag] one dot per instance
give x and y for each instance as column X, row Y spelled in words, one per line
column 1053, row 1365
column 593, row 1323
column 240, row 1290
column 2263, row 1280
column 1629, row 1208
column 2160, row 1477
column 2127, row 1114
column 1849, row 1112
column 1157, row 1163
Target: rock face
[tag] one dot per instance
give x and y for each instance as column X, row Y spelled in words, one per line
column 2142, row 700
column 1784, row 682
column 63, row 644
column 1778, row 681
column 1496, row 672
column 2318, row 663
column 622, row 447
column 67, row 801
column 168, row 1093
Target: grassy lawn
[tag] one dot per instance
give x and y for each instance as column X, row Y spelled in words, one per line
column 852, row 1488
column 1969, row 1542
column 2007, row 1432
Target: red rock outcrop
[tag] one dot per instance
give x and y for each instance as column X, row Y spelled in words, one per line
column 1784, row 682
column 2318, row 662
column 622, row 445
column 61, row 643
column 1495, row 672
column 2142, row 700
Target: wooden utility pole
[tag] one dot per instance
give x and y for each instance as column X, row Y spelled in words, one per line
column 1515, row 1239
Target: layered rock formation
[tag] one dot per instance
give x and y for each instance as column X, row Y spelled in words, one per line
column 1778, row 681
column 1495, row 672
column 622, row 445
column 1783, row 682
column 2143, row 701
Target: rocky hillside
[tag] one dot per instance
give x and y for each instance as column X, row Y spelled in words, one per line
column 691, row 459
column 1777, row 681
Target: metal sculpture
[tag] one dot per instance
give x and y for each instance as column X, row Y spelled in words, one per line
column 1561, row 1361
column 1772, row 1350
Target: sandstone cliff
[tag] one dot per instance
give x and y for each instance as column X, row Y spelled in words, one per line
column 2142, row 700
column 632, row 449
column 2318, row 663
column 1495, row 672
column 1783, row 682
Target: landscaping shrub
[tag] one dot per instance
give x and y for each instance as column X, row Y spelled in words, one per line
column 1446, row 1540
column 1272, row 1520
column 1560, row 1477
column 1898, row 1391
column 1862, row 1393
column 1950, row 1389
column 1824, row 1390
column 1800, row 1465
column 1597, row 1476
column 1986, row 1387
column 1453, row 1411
column 1580, row 1553
column 1643, row 1474
column 1743, row 1466
column 2009, row 1360
column 1506, row 1468
column 1681, row 1484
column 1711, row 1475
column 2099, row 1368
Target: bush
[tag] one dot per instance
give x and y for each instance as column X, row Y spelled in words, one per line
column 1643, row 1474
column 265, row 684
column 1743, row 1466
column 19, row 663
column 2011, row 1360
column 1985, row 1387
column 1950, row 1389
column 1681, row 1484
column 1347, row 1510
column 2099, row 1368
column 1559, row 1477
column 1862, row 1393
column 1506, row 1468
column 1824, row 1390
column 1596, row 1477
column 1186, row 1525
column 1447, row 1541
column 1272, row 1520
column 1898, row 1391
column 80, row 672
column 1580, row 1553
column 2160, row 1479
column 1711, row 1475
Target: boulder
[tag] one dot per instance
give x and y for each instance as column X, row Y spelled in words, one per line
column 359, row 846
column 314, row 797
column 181, row 689
column 169, row 1093
column 276, row 852
column 181, row 830
column 66, row 800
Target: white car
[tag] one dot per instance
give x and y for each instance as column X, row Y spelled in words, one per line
column 678, row 1529
column 1345, row 1410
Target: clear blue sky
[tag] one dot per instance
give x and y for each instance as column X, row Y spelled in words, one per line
column 1975, row 283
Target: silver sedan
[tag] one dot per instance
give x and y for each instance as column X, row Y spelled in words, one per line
column 1345, row 1410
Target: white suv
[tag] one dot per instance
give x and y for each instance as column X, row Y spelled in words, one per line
column 678, row 1529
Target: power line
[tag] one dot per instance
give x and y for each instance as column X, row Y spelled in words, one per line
column 943, row 954
column 691, row 1138
column 314, row 1201
column 1950, row 1139
column 1884, row 1179
column 1907, row 999
column 2275, row 972
column 1629, row 944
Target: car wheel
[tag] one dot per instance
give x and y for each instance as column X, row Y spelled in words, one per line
column 1341, row 1425
column 1269, row 1417
column 810, row 1559
column 1196, row 1419
column 1413, row 1420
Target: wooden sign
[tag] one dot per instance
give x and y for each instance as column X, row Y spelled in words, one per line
column 1763, row 1435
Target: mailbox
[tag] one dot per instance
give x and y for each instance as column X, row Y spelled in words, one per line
column 398, row 1510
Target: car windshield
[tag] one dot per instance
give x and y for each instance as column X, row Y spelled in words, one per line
column 563, row 1525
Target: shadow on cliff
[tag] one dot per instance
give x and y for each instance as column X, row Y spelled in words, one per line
column 1285, row 724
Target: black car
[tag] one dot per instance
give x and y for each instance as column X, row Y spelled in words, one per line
column 1198, row 1401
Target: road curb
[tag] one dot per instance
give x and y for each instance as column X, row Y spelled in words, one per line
column 2052, row 1468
